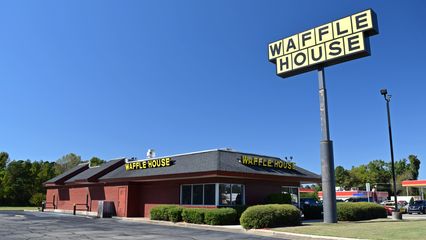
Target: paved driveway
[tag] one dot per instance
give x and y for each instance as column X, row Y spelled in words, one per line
column 37, row 225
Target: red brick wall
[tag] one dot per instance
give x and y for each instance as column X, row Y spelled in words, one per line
column 141, row 197
column 147, row 195
column 51, row 196
column 66, row 196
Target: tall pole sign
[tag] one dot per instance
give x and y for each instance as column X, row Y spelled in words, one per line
column 339, row 41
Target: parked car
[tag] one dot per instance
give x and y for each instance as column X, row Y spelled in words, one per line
column 311, row 208
column 390, row 207
column 309, row 202
column 387, row 202
column 417, row 207
column 358, row 199
column 403, row 206
column 389, row 210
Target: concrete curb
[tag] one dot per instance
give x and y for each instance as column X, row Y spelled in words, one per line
column 299, row 235
column 236, row 229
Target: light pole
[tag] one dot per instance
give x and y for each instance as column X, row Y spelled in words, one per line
column 395, row 214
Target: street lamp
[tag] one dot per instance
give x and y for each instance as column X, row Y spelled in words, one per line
column 387, row 97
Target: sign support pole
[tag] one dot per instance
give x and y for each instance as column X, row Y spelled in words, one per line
column 326, row 155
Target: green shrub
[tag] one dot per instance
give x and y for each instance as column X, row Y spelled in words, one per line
column 278, row 198
column 175, row 214
column 271, row 215
column 193, row 215
column 36, row 199
column 356, row 211
column 161, row 212
column 239, row 209
column 220, row 216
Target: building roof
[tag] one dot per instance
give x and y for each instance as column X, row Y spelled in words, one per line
column 217, row 160
column 61, row 178
column 93, row 173
column 206, row 161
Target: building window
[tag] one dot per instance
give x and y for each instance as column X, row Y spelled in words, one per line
column 206, row 194
column 231, row 194
column 294, row 193
column 209, row 194
column 198, row 194
column 186, row 194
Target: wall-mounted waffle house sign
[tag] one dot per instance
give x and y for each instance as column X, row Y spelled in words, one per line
column 150, row 163
column 335, row 42
column 266, row 162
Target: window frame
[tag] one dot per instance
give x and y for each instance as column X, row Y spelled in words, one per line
column 243, row 198
column 216, row 195
column 298, row 192
column 192, row 195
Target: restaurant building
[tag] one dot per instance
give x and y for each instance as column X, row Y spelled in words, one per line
column 210, row 179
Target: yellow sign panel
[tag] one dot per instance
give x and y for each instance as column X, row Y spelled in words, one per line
column 151, row 163
column 339, row 41
column 267, row 162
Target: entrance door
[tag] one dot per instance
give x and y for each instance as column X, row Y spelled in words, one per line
column 121, row 208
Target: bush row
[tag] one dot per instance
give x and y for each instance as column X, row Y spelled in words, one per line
column 271, row 215
column 214, row 216
column 263, row 216
column 356, row 211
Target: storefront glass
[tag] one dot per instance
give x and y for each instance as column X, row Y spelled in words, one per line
column 294, row 193
column 186, row 194
column 205, row 194
column 209, row 194
column 198, row 194
column 231, row 194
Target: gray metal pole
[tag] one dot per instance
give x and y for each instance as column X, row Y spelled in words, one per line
column 327, row 159
column 387, row 98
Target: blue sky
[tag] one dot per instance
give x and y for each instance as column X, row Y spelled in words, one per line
column 114, row 78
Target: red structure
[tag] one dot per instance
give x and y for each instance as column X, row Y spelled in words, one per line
column 210, row 179
column 421, row 184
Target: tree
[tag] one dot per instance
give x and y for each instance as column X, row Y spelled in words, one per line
column 379, row 173
column 66, row 163
column 414, row 166
column 18, row 183
column 95, row 161
column 4, row 159
column 342, row 177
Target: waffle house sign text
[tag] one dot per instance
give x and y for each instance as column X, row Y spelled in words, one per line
column 332, row 43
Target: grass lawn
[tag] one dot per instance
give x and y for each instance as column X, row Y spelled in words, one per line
column 16, row 208
column 373, row 229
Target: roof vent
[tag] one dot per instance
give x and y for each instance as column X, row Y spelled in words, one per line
column 150, row 153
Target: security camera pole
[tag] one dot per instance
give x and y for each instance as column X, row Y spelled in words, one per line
column 387, row 97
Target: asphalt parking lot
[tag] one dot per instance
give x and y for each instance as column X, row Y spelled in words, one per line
column 413, row 216
column 46, row 226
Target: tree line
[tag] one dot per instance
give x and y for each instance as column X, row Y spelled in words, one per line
column 379, row 173
column 21, row 181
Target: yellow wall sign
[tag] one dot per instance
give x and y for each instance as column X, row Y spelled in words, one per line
column 150, row 163
column 267, row 162
column 339, row 41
